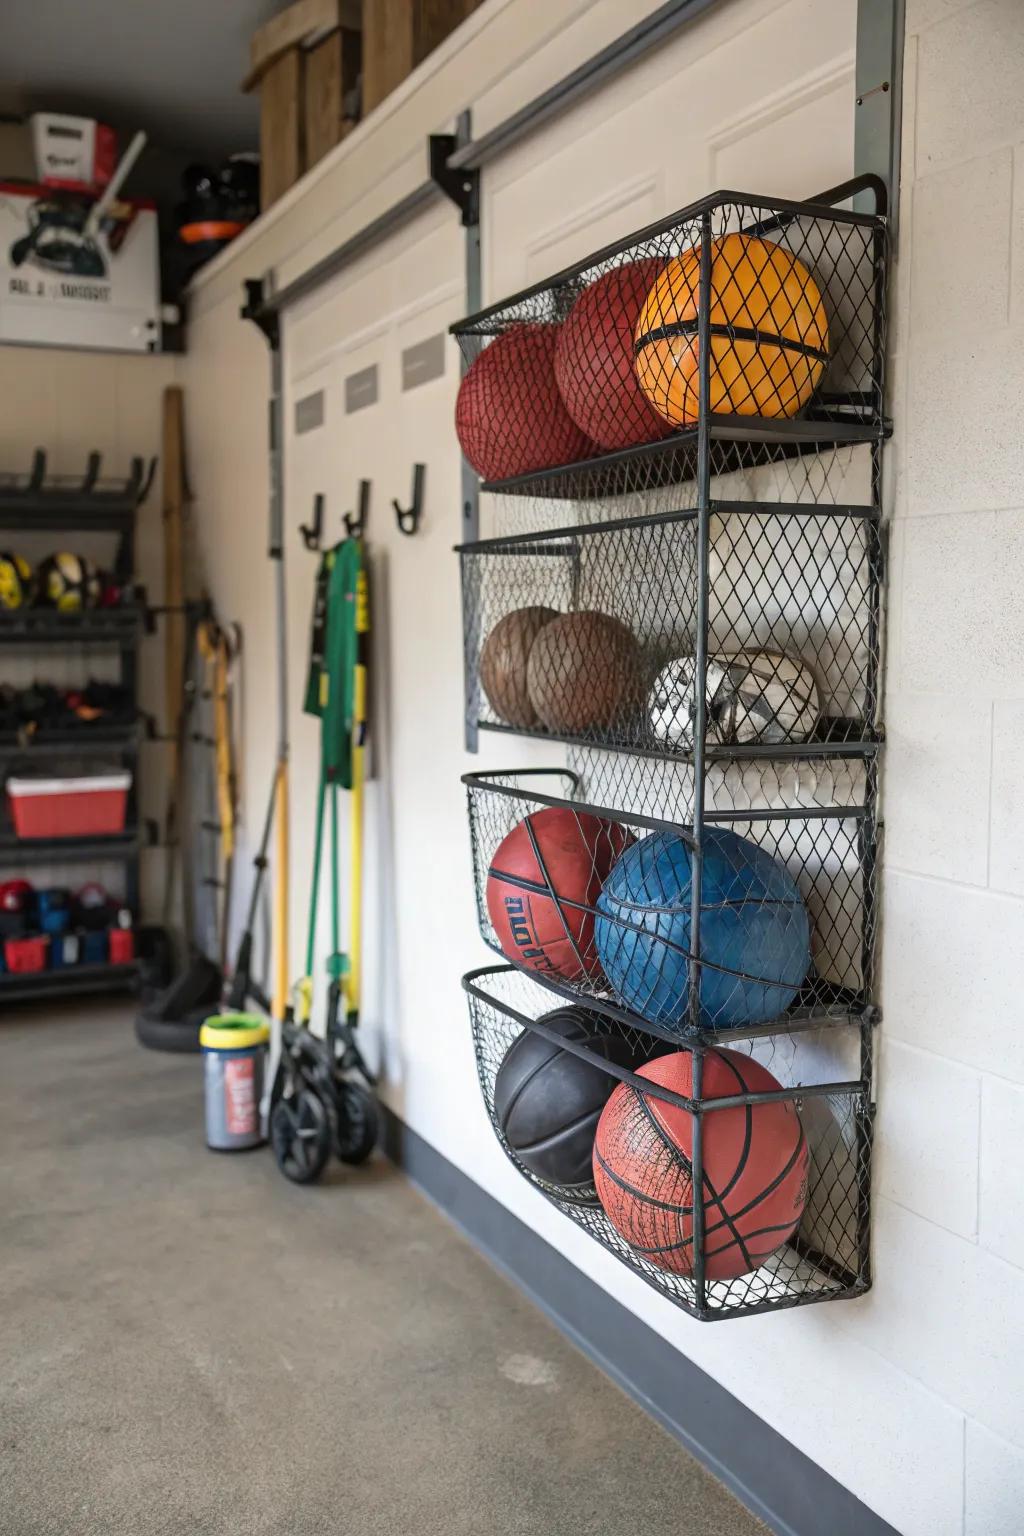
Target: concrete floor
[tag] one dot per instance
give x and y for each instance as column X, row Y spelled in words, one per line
column 188, row 1344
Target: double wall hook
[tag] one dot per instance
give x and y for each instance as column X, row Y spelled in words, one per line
column 355, row 526
column 409, row 517
column 311, row 534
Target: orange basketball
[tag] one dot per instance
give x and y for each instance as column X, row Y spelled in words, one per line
column 769, row 333
column 755, row 1165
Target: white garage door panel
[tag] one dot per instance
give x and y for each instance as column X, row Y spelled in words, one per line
column 402, row 293
column 669, row 131
column 768, row 108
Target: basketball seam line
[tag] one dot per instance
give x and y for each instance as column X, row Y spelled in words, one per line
column 574, row 1125
column 730, row 1066
column 727, row 1218
column 638, row 1194
column 753, row 1204
column 713, row 1253
column 554, row 1050
column 734, row 333
column 552, row 893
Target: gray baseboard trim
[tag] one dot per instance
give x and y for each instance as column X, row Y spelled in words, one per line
column 777, row 1482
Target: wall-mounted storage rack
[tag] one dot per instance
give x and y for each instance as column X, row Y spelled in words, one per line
column 697, row 618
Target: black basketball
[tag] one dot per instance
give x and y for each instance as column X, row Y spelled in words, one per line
column 548, row 1101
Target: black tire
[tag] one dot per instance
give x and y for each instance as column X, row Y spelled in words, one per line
column 181, row 1035
column 358, row 1127
column 300, row 1134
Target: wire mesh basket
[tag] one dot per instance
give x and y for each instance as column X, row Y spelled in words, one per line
column 759, row 321
column 618, row 1132
column 766, row 922
column 589, row 634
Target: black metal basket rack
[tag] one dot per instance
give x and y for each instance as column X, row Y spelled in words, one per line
column 823, row 1072
column 691, row 602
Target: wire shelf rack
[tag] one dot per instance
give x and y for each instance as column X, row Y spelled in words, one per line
column 679, row 578
column 597, row 901
column 588, row 634
column 777, row 1135
column 754, row 324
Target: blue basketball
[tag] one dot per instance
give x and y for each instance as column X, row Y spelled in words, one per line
column 754, row 931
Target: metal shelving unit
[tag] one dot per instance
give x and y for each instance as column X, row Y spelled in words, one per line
column 68, row 982
column 39, row 501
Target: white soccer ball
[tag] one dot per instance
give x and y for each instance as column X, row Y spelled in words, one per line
column 765, row 697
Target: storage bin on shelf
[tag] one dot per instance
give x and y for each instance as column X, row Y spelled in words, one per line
column 778, row 1137
column 84, row 805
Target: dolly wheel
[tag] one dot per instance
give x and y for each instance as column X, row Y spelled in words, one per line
column 300, row 1135
column 358, row 1123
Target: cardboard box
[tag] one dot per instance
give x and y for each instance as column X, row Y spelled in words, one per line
column 398, row 35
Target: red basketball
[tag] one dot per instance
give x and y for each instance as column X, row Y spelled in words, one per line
column 755, row 1167
column 543, row 882
column 509, row 415
column 594, row 365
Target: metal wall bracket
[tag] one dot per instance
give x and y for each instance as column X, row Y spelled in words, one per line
column 256, row 309
column 879, row 97
column 463, row 187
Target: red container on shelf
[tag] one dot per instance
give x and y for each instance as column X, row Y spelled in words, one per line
column 90, row 805
column 26, row 954
column 122, row 946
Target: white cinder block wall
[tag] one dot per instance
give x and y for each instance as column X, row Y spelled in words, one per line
column 913, row 1396
column 949, row 1248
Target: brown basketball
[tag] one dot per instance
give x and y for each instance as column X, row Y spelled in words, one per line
column 584, row 672
column 503, row 660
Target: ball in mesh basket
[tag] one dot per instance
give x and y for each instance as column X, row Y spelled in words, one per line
column 754, row 931
column 542, row 884
column 509, row 415
column 755, row 1166
column 594, row 359
column 584, row 673
column 769, row 333
column 503, row 660
column 753, row 696
column 547, row 1100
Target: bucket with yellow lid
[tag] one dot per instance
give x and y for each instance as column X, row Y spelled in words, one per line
column 234, row 1047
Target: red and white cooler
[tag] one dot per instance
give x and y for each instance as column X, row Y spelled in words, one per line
column 85, row 805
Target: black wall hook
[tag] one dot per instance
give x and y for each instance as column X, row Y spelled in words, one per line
column 409, row 517
column 355, row 527
column 311, row 535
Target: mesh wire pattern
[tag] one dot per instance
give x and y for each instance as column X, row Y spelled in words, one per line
column 824, row 1072
column 767, row 923
column 765, row 318
column 588, row 634
column 679, row 577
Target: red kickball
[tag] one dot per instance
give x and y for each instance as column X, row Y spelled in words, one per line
column 594, row 366
column 509, row 416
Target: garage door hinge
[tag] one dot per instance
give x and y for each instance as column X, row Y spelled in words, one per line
column 463, row 187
